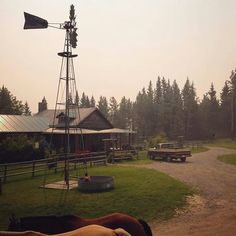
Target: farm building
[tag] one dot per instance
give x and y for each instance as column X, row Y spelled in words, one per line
column 88, row 129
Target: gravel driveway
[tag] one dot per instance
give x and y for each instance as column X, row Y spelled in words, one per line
column 213, row 211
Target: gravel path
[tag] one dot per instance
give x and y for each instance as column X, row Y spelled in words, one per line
column 213, row 211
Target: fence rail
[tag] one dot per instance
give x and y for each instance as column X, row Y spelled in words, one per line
column 55, row 162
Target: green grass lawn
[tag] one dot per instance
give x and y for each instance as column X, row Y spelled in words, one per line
column 143, row 193
column 199, row 149
column 226, row 143
column 142, row 158
column 229, row 159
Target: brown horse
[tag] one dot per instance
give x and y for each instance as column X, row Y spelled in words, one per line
column 62, row 224
column 90, row 230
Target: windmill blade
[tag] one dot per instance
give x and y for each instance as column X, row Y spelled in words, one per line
column 34, row 22
column 73, row 38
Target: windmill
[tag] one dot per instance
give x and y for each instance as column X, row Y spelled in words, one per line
column 67, row 92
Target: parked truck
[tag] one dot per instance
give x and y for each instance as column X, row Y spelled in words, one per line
column 169, row 152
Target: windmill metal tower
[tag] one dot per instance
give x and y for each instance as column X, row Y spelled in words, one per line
column 66, row 108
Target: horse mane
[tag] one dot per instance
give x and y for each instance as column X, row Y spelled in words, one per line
column 50, row 217
column 51, row 223
column 146, row 227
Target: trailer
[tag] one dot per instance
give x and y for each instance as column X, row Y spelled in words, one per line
column 169, row 152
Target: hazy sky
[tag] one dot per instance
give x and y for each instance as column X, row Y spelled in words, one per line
column 123, row 44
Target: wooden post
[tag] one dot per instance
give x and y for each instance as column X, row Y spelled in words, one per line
column 55, row 170
column 113, row 153
column 5, row 173
column 0, row 186
column 33, row 168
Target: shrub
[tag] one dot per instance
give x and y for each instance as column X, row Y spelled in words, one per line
column 21, row 148
column 160, row 138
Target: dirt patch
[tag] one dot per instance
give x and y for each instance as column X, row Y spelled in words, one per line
column 195, row 204
column 213, row 211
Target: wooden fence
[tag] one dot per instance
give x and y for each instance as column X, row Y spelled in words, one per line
column 53, row 163
column 195, row 144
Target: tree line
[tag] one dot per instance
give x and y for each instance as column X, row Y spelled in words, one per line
column 160, row 108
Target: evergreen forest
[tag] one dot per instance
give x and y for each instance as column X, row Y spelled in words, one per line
column 160, row 108
column 164, row 108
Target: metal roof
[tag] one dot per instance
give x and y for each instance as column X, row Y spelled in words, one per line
column 71, row 131
column 18, row 123
column 117, row 131
column 83, row 113
column 90, row 131
column 40, row 123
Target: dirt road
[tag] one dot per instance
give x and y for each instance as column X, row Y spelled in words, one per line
column 213, row 211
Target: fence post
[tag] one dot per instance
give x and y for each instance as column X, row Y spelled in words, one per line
column 5, row 173
column 56, row 162
column 33, row 168
column 0, row 186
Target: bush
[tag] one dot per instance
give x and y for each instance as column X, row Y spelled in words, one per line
column 160, row 138
column 21, row 148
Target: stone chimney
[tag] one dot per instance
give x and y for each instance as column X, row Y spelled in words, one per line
column 43, row 105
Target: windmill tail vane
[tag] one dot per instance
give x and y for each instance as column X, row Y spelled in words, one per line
column 34, row 22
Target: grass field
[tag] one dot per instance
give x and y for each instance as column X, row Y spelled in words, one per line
column 142, row 158
column 143, row 193
column 229, row 159
column 199, row 149
column 226, row 143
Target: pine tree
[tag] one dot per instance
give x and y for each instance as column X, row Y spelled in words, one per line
column 103, row 106
column 9, row 105
column 190, row 107
column 77, row 99
column 92, row 102
column 177, row 126
column 5, row 101
column 225, row 110
column 139, row 114
column 149, row 111
column 113, row 112
column 27, row 111
column 233, row 103
column 213, row 112
column 125, row 113
column 166, row 106
column 84, row 101
column 209, row 114
column 158, row 106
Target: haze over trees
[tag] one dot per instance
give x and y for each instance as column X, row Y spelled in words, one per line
column 160, row 108
column 163, row 107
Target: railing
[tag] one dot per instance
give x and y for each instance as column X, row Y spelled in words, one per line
column 195, row 144
column 121, row 155
column 53, row 163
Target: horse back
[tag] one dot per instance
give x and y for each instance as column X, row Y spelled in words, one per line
column 118, row 220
